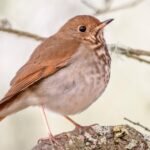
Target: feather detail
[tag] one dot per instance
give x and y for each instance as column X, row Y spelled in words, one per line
column 45, row 61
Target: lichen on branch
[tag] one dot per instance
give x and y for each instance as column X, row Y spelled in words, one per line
column 120, row 137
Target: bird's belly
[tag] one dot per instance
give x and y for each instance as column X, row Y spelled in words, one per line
column 72, row 89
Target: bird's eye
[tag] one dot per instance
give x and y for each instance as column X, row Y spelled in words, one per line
column 82, row 28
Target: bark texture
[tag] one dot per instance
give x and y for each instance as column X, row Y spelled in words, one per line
column 95, row 137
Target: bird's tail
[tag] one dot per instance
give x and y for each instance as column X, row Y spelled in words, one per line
column 11, row 106
column 5, row 108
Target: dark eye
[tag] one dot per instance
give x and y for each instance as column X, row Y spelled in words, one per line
column 82, row 28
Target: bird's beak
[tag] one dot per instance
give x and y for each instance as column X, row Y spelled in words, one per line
column 102, row 25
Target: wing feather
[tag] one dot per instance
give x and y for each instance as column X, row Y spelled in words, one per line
column 45, row 61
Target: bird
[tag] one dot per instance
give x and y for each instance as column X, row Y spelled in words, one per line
column 66, row 73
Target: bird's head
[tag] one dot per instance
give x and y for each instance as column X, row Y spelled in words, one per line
column 85, row 29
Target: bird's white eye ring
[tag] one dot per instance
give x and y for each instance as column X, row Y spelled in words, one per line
column 82, row 28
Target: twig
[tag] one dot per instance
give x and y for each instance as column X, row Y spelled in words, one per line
column 137, row 124
column 131, row 53
column 138, row 58
column 98, row 11
column 128, row 52
column 22, row 33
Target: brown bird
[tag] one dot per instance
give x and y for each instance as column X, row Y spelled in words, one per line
column 66, row 73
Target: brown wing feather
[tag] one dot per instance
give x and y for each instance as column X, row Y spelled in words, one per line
column 22, row 85
column 45, row 61
column 23, row 73
column 28, row 81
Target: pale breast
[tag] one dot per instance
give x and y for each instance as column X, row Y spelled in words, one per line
column 74, row 88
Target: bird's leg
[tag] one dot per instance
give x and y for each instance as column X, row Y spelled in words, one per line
column 46, row 121
column 51, row 138
column 79, row 127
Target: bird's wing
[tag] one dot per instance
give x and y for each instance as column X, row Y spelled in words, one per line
column 47, row 59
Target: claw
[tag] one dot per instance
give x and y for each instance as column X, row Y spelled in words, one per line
column 81, row 129
column 50, row 139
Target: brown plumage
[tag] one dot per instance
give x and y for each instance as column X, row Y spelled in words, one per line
column 51, row 75
column 38, row 67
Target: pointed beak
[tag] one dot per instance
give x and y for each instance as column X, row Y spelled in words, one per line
column 106, row 22
column 103, row 24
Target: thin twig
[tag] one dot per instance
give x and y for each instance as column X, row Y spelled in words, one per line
column 137, row 124
column 138, row 58
column 128, row 52
column 98, row 11
column 124, row 50
column 22, row 33
column 136, row 54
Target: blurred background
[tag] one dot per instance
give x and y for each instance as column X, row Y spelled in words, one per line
column 128, row 93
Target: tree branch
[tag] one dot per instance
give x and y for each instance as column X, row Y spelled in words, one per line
column 98, row 11
column 120, row 137
column 136, row 54
column 22, row 33
column 137, row 124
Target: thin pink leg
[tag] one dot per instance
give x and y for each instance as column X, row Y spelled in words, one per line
column 51, row 138
column 78, row 126
column 46, row 121
column 73, row 122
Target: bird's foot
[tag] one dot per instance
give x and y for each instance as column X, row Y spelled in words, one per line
column 82, row 129
column 79, row 127
column 50, row 139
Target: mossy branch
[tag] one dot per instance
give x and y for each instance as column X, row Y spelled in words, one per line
column 120, row 137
